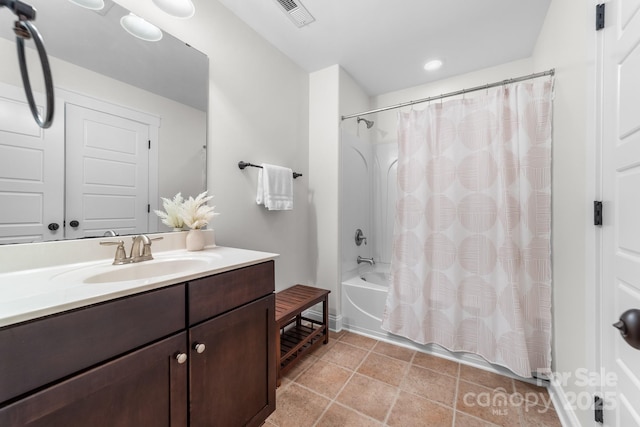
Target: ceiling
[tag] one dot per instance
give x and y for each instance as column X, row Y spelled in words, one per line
column 383, row 44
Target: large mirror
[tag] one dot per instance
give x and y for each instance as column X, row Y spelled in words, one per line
column 129, row 127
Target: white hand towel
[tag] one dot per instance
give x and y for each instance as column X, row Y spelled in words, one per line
column 275, row 188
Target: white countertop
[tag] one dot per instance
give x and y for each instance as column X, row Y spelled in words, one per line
column 33, row 293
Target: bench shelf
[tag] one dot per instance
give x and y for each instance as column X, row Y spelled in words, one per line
column 299, row 334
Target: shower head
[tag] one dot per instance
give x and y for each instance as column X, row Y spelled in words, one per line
column 369, row 123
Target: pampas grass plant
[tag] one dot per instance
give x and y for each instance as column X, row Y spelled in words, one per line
column 196, row 213
column 171, row 217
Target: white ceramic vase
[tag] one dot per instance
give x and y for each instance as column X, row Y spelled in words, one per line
column 195, row 240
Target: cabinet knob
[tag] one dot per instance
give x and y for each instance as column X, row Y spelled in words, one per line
column 181, row 358
column 199, row 347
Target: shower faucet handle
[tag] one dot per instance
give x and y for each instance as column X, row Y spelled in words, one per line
column 360, row 238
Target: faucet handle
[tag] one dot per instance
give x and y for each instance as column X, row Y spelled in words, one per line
column 120, row 256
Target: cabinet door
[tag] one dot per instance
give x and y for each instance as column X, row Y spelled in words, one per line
column 145, row 388
column 233, row 380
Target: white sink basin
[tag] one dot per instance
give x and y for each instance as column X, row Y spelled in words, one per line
column 147, row 270
column 144, row 271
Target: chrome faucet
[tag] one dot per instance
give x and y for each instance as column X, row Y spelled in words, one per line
column 369, row 261
column 137, row 253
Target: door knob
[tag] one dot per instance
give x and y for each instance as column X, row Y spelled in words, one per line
column 53, row 226
column 74, row 223
column 629, row 327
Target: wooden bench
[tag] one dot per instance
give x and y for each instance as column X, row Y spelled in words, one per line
column 299, row 334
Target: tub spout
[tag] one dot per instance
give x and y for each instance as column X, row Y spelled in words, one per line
column 367, row 260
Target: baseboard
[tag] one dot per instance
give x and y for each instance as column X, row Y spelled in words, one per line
column 335, row 322
column 564, row 409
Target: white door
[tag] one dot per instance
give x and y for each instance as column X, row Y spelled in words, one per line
column 31, row 171
column 621, row 197
column 107, row 173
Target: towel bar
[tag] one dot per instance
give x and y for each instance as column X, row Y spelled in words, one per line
column 243, row 165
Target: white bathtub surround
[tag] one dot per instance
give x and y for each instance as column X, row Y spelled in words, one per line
column 356, row 154
column 471, row 264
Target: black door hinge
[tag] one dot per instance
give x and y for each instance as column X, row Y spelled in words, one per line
column 599, row 16
column 598, row 405
column 597, row 213
column 149, row 144
column 148, row 208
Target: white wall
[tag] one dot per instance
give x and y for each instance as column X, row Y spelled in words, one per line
column 387, row 120
column 563, row 44
column 332, row 93
column 324, row 178
column 258, row 112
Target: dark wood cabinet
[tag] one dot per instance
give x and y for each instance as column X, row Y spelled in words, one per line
column 145, row 388
column 199, row 354
column 229, row 381
column 34, row 354
column 214, row 295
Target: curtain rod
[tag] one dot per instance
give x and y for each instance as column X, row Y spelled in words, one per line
column 550, row 72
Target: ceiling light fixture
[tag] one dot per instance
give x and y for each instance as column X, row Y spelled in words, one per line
column 140, row 28
column 433, row 65
column 177, row 8
column 89, row 4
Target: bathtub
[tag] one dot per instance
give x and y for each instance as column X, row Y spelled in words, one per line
column 364, row 296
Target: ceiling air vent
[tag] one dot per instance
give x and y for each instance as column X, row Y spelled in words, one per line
column 296, row 12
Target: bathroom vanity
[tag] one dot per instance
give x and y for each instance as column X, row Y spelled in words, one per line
column 198, row 351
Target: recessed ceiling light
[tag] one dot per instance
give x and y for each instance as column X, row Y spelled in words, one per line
column 176, row 8
column 89, row 4
column 140, row 28
column 433, row 65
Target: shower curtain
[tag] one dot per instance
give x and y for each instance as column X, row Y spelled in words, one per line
column 471, row 260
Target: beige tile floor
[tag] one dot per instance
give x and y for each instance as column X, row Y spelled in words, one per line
column 358, row 381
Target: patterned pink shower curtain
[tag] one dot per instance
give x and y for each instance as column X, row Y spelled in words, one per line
column 471, row 263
